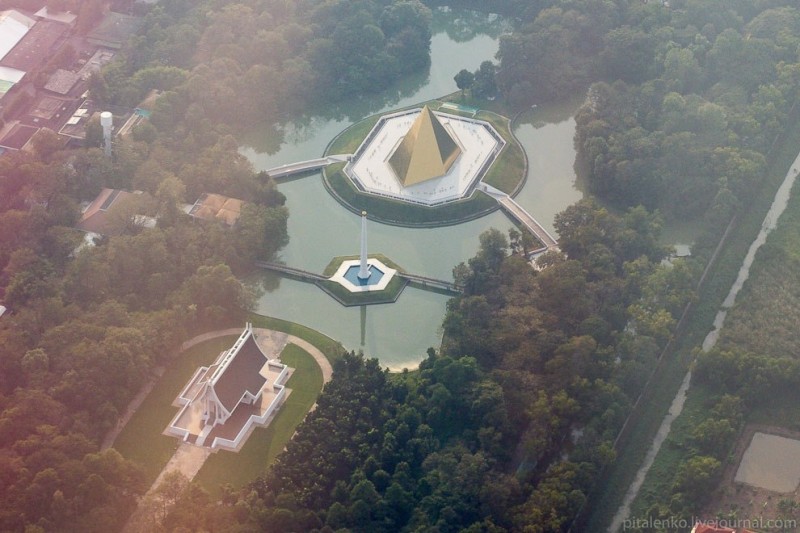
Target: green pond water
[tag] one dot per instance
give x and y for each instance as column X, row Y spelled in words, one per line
column 319, row 228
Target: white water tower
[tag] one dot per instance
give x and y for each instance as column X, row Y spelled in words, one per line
column 107, row 121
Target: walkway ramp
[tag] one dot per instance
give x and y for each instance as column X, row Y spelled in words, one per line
column 432, row 283
column 518, row 213
column 527, row 220
column 310, row 165
column 291, row 271
column 436, row 285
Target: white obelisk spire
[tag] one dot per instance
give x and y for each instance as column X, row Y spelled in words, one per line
column 363, row 272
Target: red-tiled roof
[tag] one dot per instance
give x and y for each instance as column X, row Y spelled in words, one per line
column 95, row 218
column 212, row 206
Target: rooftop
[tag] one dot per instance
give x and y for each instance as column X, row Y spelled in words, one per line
column 48, row 107
column 114, row 30
column 239, row 374
column 98, row 216
column 13, row 27
column 36, row 46
column 95, row 63
column 243, row 382
column 18, row 136
column 62, row 81
column 11, row 75
column 212, row 206
column 65, row 17
column 372, row 171
column 427, row 151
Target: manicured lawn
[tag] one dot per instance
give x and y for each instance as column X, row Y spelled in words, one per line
column 266, row 443
column 350, row 139
column 505, row 171
column 498, row 105
column 141, row 440
column 332, row 349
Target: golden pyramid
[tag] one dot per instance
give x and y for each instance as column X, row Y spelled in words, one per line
column 427, row 151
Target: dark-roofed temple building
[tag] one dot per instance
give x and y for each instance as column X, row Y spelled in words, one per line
column 224, row 402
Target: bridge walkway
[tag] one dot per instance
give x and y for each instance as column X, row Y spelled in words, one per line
column 289, row 169
column 516, row 211
column 296, row 272
column 425, row 281
column 305, row 275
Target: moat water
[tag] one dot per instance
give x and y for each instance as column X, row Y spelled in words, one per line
column 319, row 228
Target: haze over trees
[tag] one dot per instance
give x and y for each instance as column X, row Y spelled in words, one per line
column 509, row 424
column 250, row 61
column 88, row 328
column 535, row 366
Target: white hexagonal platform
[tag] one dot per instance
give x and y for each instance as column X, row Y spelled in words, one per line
column 370, row 172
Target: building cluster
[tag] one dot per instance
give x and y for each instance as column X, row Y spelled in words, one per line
column 114, row 210
column 45, row 67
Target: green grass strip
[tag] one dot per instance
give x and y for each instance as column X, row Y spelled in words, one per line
column 141, row 439
column 332, row 349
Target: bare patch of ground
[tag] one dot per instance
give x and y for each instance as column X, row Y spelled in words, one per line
column 734, row 500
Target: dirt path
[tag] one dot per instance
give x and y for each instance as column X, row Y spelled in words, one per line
column 316, row 353
column 112, row 434
column 188, row 459
column 770, row 222
column 661, row 435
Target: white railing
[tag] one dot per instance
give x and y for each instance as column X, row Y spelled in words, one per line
column 254, row 420
column 257, row 420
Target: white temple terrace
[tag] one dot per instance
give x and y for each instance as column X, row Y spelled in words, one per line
column 374, row 168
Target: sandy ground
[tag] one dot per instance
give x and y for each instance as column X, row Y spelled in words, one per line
column 748, row 502
column 188, row 459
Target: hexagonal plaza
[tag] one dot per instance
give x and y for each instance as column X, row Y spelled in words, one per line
column 373, row 169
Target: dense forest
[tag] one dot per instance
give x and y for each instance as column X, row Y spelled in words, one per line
column 507, row 425
column 87, row 327
column 244, row 63
column 691, row 102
